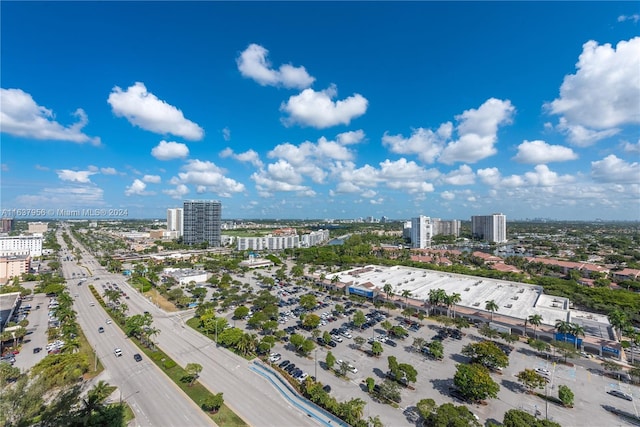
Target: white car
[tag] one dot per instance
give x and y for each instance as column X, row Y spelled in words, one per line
column 336, row 338
column 544, row 372
column 108, row 321
column 274, row 357
column 350, row 367
column 117, row 352
column 303, row 377
column 346, row 334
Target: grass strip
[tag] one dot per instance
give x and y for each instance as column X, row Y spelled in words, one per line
column 197, row 392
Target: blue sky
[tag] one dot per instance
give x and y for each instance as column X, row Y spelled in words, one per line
column 323, row 110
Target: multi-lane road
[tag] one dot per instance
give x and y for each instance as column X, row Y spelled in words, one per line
column 246, row 393
column 154, row 398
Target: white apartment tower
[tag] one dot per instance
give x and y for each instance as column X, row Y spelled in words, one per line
column 421, row 232
column 492, row 228
column 174, row 221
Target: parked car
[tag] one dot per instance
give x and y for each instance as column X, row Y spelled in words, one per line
column 621, row 394
column 284, row 364
column 327, row 388
column 544, row 372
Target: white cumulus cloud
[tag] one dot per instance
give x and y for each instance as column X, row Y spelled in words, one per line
column 447, row 195
column 168, row 150
column 351, row 137
column 209, row 177
column 145, row 110
column 424, row 143
column 635, row 18
column 462, row 176
column 317, row 109
column 21, row 116
column 477, row 132
column 108, row 171
column 249, row 156
column 539, row 152
column 603, row 93
column 177, row 193
column 82, row 177
column 137, row 188
column 152, row 179
column 254, row 64
column 614, row 169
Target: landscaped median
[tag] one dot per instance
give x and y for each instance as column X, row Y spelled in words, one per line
column 195, row 390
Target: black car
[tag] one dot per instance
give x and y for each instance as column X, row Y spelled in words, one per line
column 391, row 343
column 284, row 364
column 137, row 357
column 332, row 343
column 327, row 388
column 37, row 349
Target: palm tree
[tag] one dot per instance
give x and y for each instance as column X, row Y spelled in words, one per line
column 247, row 344
column 436, row 296
column 452, row 300
column 70, row 346
column 618, row 319
column 563, row 327
column 95, row 400
column 406, row 294
column 354, row 410
column 388, row 290
column 577, row 330
column 491, row 306
column 535, row 320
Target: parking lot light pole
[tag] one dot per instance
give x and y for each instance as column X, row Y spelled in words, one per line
column 315, row 365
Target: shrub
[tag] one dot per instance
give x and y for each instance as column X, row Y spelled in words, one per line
column 168, row 364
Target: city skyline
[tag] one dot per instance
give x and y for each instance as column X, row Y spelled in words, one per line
column 378, row 109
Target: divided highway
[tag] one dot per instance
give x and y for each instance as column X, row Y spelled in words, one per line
column 154, row 398
column 248, row 394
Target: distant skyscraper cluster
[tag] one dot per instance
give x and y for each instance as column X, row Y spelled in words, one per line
column 492, row 228
column 201, row 222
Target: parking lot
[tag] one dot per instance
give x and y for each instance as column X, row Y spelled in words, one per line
column 36, row 337
column 592, row 391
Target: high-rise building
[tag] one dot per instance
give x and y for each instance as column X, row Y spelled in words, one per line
column 201, row 222
column 6, row 225
column 174, row 220
column 492, row 228
column 446, row 227
column 421, row 232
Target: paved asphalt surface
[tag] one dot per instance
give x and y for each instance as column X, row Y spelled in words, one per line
column 248, row 394
column 154, row 398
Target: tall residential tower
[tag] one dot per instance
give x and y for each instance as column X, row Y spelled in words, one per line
column 492, row 228
column 421, row 232
column 201, row 222
column 174, row 221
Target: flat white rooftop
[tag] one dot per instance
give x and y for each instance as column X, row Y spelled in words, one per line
column 514, row 299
